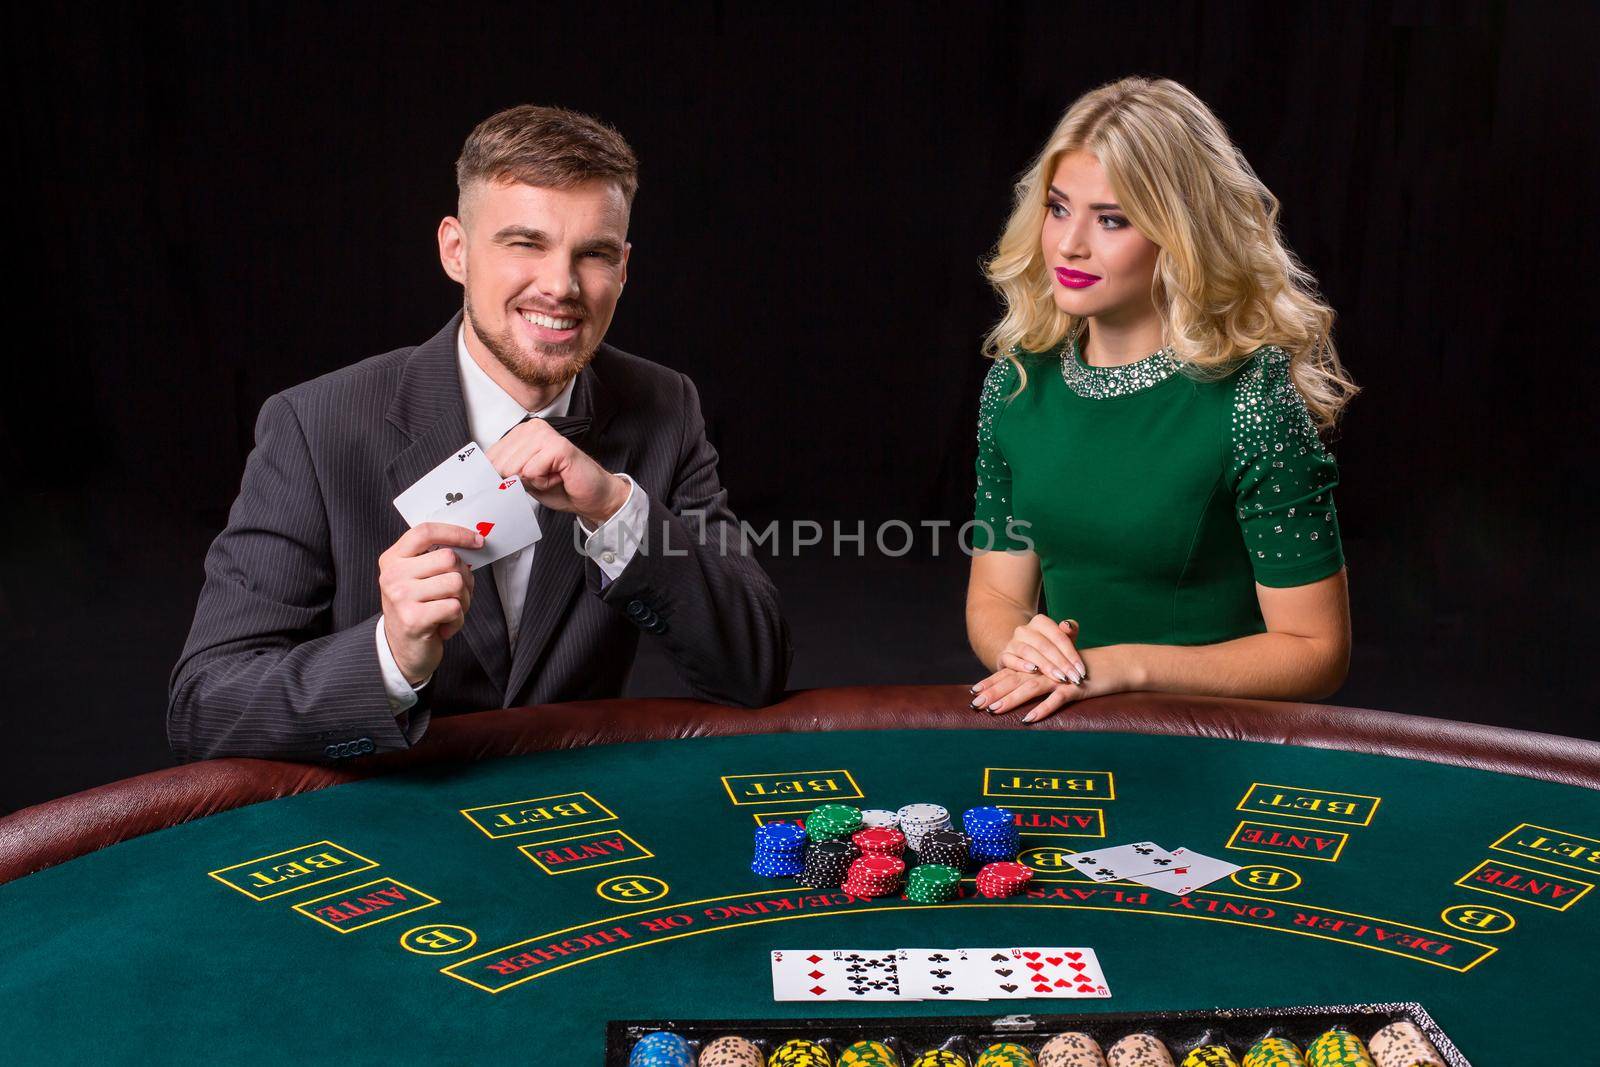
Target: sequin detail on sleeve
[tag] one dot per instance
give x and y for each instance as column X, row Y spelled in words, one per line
column 1283, row 478
column 992, row 498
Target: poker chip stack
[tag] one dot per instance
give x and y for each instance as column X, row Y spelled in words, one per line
column 1003, row 879
column 993, row 832
column 827, row 863
column 1071, row 1050
column 1005, row 1054
column 780, row 850
column 1338, row 1048
column 933, row 883
column 1403, row 1044
column 798, row 1052
column 868, row 1054
column 661, row 1048
column 948, row 848
column 875, row 875
column 829, row 822
column 884, row 840
column 1139, row 1050
column 919, row 820
column 731, row 1051
column 1274, row 1052
column 880, row 817
column 1210, row 1056
column 939, row 1057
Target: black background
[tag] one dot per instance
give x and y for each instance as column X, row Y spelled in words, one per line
column 215, row 203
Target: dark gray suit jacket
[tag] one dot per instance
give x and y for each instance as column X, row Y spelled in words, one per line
column 282, row 658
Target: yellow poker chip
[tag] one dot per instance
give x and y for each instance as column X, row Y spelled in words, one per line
column 798, row 1052
column 939, row 1057
column 1210, row 1056
column 1274, row 1052
column 869, row 1054
column 1006, row 1054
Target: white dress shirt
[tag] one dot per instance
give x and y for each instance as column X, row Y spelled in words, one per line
column 491, row 413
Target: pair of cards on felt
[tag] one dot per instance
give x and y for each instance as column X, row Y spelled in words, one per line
column 465, row 490
column 937, row 974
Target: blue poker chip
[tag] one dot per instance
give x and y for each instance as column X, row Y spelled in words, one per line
column 780, row 836
column 661, row 1048
column 977, row 820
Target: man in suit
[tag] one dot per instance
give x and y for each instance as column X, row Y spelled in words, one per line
column 326, row 629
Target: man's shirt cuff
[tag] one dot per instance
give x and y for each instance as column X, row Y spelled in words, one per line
column 402, row 694
column 613, row 545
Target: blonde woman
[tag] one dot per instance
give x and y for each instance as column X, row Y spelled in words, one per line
column 1149, row 449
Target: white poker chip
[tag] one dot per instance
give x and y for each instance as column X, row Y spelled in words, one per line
column 923, row 814
column 880, row 817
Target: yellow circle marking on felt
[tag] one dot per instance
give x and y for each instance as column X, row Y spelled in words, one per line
column 1478, row 918
column 632, row 889
column 435, row 939
column 1265, row 878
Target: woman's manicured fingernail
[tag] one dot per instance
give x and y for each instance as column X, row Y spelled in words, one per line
column 995, row 706
column 973, row 689
column 1061, row 677
column 976, row 704
column 1030, row 717
column 1083, row 672
column 1033, row 669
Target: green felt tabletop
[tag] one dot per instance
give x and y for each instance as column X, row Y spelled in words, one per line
column 498, row 911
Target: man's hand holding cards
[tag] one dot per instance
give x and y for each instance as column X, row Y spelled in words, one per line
column 462, row 515
column 466, row 490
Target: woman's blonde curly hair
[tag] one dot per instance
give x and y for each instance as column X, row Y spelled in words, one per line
column 1225, row 284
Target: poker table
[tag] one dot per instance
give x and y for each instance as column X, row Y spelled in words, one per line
column 523, row 876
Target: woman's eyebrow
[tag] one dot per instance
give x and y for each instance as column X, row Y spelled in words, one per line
column 1092, row 207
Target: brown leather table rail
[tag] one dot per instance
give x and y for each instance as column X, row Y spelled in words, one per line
column 60, row 830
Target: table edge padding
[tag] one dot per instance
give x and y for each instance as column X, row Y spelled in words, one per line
column 59, row 830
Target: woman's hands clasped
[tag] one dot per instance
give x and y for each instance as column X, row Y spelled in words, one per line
column 1040, row 660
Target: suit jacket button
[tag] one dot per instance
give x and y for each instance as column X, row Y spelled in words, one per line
column 637, row 610
column 332, row 752
column 364, row 745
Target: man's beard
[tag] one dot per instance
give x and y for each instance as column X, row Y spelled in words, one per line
column 560, row 362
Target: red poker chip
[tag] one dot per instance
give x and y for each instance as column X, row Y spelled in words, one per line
column 1003, row 878
column 884, row 840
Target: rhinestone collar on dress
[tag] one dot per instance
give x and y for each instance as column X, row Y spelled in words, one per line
column 1102, row 383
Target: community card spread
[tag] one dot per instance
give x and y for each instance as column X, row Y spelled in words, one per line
column 502, row 513
column 1122, row 861
column 448, row 485
column 1190, row 871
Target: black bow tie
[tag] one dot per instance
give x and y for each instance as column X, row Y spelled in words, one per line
column 572, row 427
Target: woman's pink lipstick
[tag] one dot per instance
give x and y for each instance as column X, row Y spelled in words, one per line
column 1075, row 279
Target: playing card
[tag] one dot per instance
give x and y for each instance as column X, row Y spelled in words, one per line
column 1190, row 871
column 806, row 974
column 1121, row 861
column 502, row 513
column 998, row 974
column 1065, row 973
column 835, row 974
column 466, row 472
column 938, row 974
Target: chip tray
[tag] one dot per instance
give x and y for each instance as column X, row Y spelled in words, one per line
column 1180, row 1031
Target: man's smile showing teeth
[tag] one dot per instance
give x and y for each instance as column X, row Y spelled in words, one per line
column 548, row 322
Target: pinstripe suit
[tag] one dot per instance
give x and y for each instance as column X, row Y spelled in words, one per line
column 280, row 660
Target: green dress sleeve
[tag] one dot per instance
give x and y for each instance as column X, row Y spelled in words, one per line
column 1282, row 477
column 992, row 499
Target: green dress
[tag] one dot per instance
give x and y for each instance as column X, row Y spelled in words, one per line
column 1154, row 501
